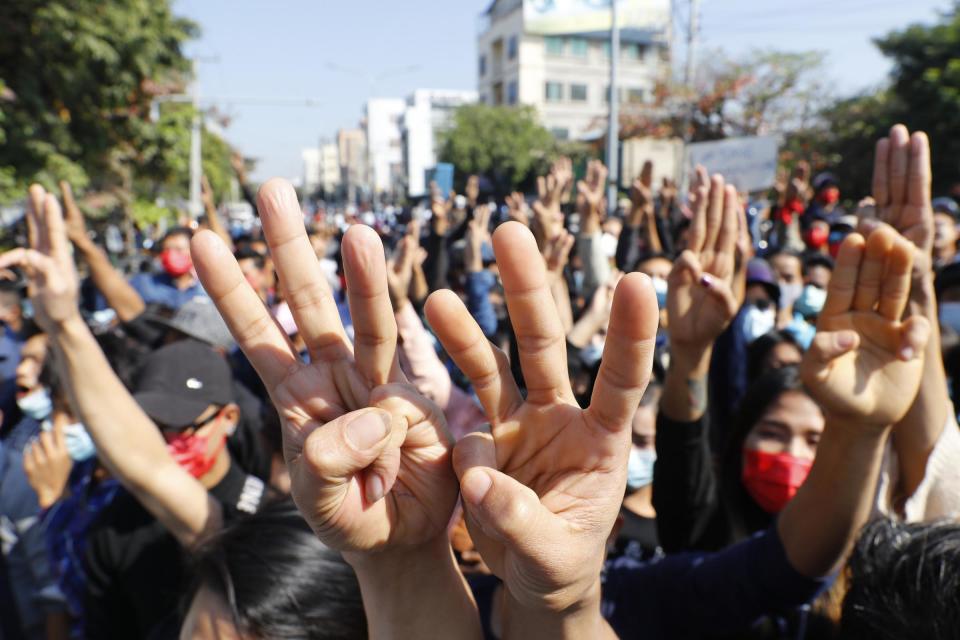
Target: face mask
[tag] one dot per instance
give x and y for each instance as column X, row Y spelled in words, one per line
column 810, row 302
column 660, row 286
column 175, row 263
column 950, row 315
column 591, row 354
column 79, row 444
column 789, row 293
column 608, row 244
column 190, row 452
column 772, row 479
column 830, row 195
column 36, row 404
column 816, row 237
column 758, row 322
column 640, row 467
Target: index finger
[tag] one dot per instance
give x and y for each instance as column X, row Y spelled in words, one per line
column 304, row 286
column 646, row 174
column 843, row 282
column 918, row 173
column 540, row 338
column 881, row 158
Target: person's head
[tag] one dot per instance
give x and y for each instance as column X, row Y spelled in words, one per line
column 252, row 266
column 789, row 270
column 186, row 389
column 643, row 451
column 770, row 448
column 269, row 576
column 826, row 189
column 947, row 286
column 175, row 252
column 817, row 269
column 945, row 232
column 761, row 301
column 658, row 268
column 11, row 305
column 774, row 350
column 33, row 396
column 902, row 582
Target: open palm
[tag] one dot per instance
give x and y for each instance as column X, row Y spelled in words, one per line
column 354, row 432
column 543, row 488
column 865, row 363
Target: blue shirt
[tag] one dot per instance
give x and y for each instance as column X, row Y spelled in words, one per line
column 159, row 288
column 9, row 359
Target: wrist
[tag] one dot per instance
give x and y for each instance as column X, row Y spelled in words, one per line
column 402, row 563
column 580, row 617
column 691, row 359
column 71, row 325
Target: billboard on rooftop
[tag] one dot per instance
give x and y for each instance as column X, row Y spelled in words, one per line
column 550, row 17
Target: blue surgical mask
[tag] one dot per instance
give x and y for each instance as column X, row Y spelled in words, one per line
column 640, row 467
column 810, row 302
column 950, row 315
column 37, row 404
column 660, row 286
column 79, row 444
column 758, row 322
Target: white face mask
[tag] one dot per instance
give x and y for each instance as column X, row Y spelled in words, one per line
column 640, row 467
column 661, row 287
column 608, row 243
column 36, row 404
column 757, row 322
column 789, row 294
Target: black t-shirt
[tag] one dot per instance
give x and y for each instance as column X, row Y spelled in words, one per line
column 135, row 568
column 637, row 537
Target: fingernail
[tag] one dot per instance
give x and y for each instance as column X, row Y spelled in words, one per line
column 374, row 488
column 706, row 280
column 368, row 429
column 845, row 340
column 474, row 486
column 907, row 353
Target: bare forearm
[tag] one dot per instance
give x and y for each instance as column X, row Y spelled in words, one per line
column 819, row 526
column 561, row 297
column 127, row 441
column 685, row 387
column 121, row 297
column 915, row 437
column 583, row 620
column 216, row 225
column 584, row 329
column 416, row 593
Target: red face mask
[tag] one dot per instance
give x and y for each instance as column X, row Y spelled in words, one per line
column 772, row 479
column 175, row 263
column 830, row 195
column 815, row 237
column 190, row 452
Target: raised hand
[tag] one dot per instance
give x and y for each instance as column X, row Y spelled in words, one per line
column 478, row 232
column 47, row 465
column 369, row 457
column 556, row 252
column 590, row 196
column 472, row 190
column 703, row 293
column 400, row 268
column 543, row 488
column 901, row 189
column 641, row 194
column 865, row 364
column 52, row 276
column 517, row 208
column 73, row 218
column 799, row 186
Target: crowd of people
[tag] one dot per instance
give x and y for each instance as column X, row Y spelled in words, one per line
column 702, row 415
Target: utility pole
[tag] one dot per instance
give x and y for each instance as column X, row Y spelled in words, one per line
column 613, row 130
column 196, row 158
column 689, row 81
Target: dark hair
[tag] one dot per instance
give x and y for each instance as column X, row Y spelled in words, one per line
column 817, row 260
column 249, row 253
column 176, row 231
column 903, row 582
column 759, row 350
column 743, row 515
column 279, row 581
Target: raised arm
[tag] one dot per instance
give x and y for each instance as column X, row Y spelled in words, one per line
column 128, row 443
column 369, row 457
column 864, row 369
column 214, row 223
column 542, row 490
column 590, row 203
column 121, row 297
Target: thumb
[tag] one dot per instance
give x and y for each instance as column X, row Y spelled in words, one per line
column 342, row 448
column 720, row 290
column 828, row 346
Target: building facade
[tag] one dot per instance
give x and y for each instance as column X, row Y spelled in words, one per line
column 382, row 125
column 562, row 68
column 428, row 113
column 329, row 169
column 352, row 156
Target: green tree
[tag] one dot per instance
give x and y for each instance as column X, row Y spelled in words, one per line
column 506, row 144
column 77, row 78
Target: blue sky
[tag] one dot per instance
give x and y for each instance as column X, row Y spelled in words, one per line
column 339, row 53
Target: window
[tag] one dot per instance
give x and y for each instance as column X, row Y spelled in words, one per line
column 498, row 93
column 560, row 134
column 483, row 65
column 512, row 48
column 578, row 47
column 553, row 91
column 578, row 92
column 512, row 92
column 635, row 96
column 606, row 94
column 605, row 47
column 631, row 51
column 554, row 45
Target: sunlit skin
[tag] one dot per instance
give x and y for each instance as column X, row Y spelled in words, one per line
column 33, row 353
column 209, row 618
column 945, row 237
column 819, row 276
column 783, row 355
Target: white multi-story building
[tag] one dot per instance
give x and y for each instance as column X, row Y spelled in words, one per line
column 428, row 113
column 382, row 119
column 352, row 154
column 329, row 169
column 556, row 57
column 310, row 179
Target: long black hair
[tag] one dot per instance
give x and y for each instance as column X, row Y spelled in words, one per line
column 743, row 515
column 279, row 580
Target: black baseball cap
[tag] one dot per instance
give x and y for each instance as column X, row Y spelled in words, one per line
column 178, row 382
